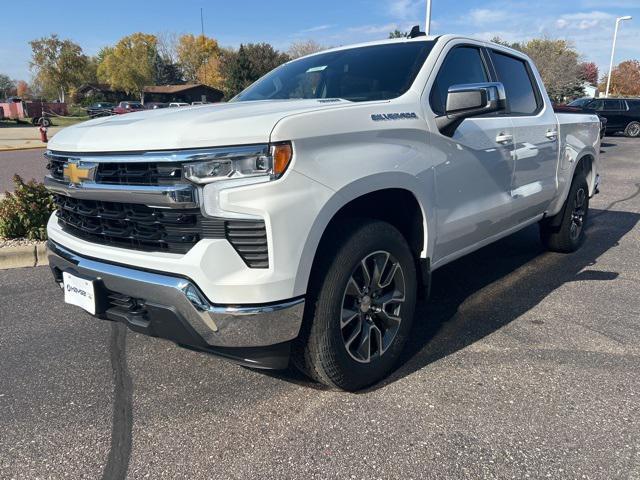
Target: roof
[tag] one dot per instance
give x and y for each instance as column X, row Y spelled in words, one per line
column 176, row 88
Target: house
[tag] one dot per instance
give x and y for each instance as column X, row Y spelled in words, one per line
column 188, row 93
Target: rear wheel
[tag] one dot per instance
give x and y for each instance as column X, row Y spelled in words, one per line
column 632, row 130
column 357, row 321
column 565, row 232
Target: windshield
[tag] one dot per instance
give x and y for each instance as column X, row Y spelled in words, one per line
column 378, row 72
column 580, row 102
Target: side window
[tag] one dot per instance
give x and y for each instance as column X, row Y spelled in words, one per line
column 518, row 85
column 462, row 65
column 612, row 105
column 597, row 105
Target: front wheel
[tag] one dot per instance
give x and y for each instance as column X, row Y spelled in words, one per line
column 361, row 311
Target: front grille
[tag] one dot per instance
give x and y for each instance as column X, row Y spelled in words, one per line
column 149, row 229
column 139, row 173
column 124, row 173
column 136, row 226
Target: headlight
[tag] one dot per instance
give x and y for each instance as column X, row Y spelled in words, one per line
column 271, row 165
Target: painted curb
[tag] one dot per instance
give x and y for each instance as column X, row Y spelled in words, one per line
column 23, row 256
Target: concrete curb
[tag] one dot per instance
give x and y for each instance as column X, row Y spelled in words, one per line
column 23, row 256
column 15, row 149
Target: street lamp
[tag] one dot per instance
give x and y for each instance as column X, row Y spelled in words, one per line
column 613, row 49
column 427, row 28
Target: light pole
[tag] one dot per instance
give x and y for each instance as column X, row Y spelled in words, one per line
column 427, row 28
column 613, row 49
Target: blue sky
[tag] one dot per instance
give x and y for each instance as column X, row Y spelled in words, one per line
column 588, row 23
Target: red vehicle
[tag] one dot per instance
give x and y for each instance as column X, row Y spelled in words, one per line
column 128, row 107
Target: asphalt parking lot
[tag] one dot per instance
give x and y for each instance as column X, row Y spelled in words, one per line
column 523, row 364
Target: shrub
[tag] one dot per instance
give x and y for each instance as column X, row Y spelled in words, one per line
column 24, row 213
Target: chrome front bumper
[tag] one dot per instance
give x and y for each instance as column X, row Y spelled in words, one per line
column 169, row 302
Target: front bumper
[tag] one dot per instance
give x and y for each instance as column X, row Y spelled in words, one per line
column 174, row 308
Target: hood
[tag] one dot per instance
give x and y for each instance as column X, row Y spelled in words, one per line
column 211, row 125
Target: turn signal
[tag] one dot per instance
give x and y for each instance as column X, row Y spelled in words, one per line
column 281, row 153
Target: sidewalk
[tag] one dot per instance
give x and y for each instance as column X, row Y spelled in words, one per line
column 20, row 138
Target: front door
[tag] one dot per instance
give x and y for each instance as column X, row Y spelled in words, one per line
column 474, row 167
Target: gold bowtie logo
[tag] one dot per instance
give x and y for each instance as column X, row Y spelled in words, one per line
column 76, row 173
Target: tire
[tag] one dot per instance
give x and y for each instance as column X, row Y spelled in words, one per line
column 342, row 307
column 632, row 130
column 565, row 232
column 44, row 122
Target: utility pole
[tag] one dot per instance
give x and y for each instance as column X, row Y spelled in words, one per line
column 427, row 25
column 613, row 50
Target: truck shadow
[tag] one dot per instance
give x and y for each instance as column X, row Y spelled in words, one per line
column 482, row 292
column 486, row 290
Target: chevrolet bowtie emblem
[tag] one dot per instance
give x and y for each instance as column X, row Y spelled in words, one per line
column 78, row 172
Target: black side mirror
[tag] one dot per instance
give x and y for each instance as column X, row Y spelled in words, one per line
column 471, row 100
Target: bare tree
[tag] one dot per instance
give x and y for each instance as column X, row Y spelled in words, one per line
column 304, row 47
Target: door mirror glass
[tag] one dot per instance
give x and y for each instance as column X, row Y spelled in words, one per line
column 471, row 100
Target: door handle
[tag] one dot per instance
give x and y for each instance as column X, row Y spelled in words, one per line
column 504, row 138
column 551, row 134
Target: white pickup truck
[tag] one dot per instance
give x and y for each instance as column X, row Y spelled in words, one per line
column 300, row 221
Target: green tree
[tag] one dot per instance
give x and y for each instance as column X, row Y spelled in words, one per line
column 131, row 64
column 199, row 59
column 240, row 68
column 58, row 65
column 6, row 85
column 398, row 34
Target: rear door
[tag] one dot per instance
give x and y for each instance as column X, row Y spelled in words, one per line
column 613, row 110
column 474, row 167
column 535, row 130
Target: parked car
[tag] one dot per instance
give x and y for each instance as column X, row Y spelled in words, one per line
column 128, row 107
column 305, row 230
column 155, row 105
column 178, row 104
column 574, row 109
column 100, row 109
column 622, row 114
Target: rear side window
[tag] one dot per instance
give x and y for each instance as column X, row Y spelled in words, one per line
column 612, row 105
column 462, row 65
column 634, row 105
column 518, row 84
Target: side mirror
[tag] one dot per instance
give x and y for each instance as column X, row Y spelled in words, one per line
column 471, row 100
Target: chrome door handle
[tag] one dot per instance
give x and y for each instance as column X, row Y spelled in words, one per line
column 504, row 138
column 551, row 134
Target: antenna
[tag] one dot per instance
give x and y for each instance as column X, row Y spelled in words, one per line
column 201, row 22
column 415, row 32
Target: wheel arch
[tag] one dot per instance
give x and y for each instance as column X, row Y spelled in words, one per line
column 380, row 190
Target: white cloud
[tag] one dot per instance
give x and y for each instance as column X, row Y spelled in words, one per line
column 374, row 29
column 406, row 9
column 318, row 28
column 485, row 16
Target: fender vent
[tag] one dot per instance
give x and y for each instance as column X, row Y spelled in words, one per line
column 249, row 238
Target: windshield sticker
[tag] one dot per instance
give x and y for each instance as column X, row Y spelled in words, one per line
column 316, row 69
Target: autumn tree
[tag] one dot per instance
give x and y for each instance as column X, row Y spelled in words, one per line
column 130, row 64
column 588, row 72
column 168, row 70
column 6, row 85
column 58, row 65
column 625, row 80
column 240, row 68
column 22, row 89
column 303, row 48
column 199, row 59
